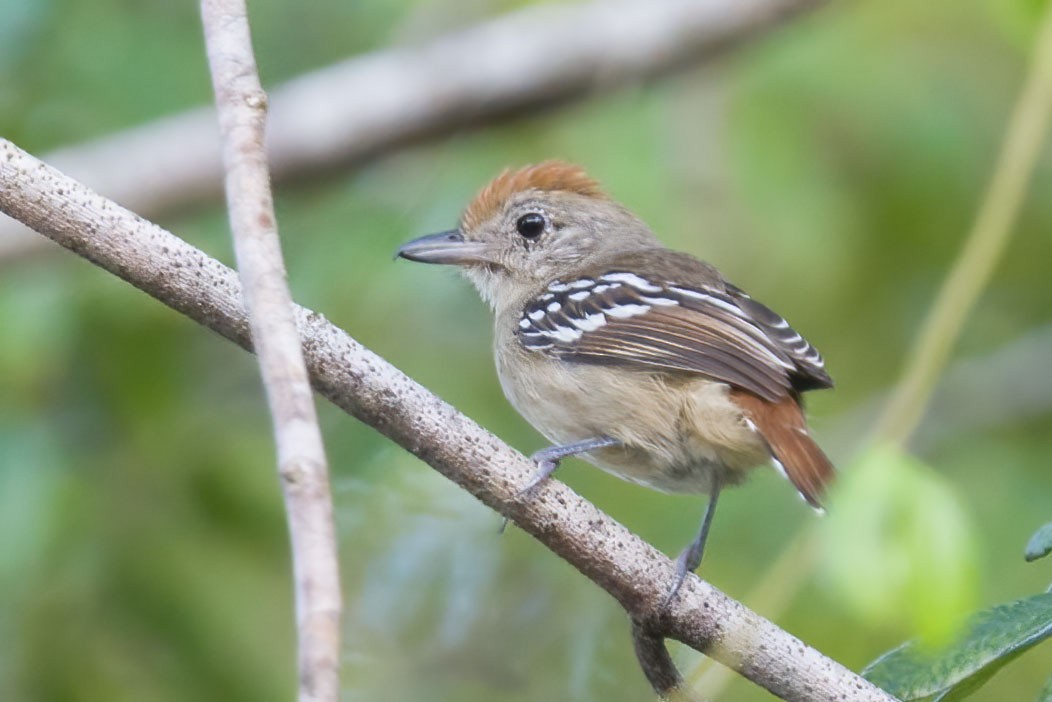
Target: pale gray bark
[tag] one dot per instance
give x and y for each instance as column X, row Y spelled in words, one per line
column 242, row 107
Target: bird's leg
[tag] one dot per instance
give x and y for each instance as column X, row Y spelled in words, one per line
column 548, row 459
column 691, row 556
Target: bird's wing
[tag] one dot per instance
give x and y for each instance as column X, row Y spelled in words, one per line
column 623, row 318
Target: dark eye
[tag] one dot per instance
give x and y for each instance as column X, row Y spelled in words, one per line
column 531, row 225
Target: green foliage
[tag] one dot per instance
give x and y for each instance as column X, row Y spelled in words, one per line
column 1040, row 544
column 993, row 639
column 899, row 546
column 1046, row 692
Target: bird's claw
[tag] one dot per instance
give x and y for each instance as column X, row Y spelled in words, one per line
column 682, row 568
column 545, row 468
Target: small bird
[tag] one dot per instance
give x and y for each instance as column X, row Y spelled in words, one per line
column 641, row 360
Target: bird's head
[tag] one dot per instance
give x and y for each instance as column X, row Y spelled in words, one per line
column 529, row 227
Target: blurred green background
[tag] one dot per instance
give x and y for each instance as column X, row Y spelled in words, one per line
column 832, row 169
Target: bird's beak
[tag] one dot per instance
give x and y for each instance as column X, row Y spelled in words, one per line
column 448, row 248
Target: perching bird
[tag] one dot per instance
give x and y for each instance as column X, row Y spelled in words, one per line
column 641, row 360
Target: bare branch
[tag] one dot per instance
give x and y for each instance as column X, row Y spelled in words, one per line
column 241, row 105
column 654, row 659
column 484, row 73
column 368, row 387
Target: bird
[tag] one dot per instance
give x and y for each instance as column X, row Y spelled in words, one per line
column 644, row 361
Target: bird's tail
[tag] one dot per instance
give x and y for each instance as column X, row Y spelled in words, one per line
column 783, row 427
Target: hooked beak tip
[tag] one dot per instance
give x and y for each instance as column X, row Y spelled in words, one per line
column 447, row 247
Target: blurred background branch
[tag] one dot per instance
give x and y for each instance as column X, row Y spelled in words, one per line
column 507, row 68
column 1024, row 137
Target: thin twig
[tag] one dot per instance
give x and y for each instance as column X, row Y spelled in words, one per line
column 241, row 106
column 367, row 386
column 1025, row 134
column 506, row 68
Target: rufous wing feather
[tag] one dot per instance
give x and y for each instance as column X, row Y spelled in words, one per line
column 783, row 427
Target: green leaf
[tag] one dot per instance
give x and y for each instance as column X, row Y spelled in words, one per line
column 899, row 547
column 992, row 639
column 1046, row 692
column 1040, row 544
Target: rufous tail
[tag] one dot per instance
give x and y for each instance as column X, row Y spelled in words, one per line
column 783, row 427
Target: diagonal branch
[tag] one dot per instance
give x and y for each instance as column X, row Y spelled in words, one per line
column 368, row 387
column 241, row 106
column 508, row 67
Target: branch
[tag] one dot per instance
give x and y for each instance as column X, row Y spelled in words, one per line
column 657, row 664
column 1026, row 132
column 505, row 68
column 368, row 387
column 241, row 106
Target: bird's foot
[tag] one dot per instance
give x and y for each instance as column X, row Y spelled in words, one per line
column 545, row 468
column 687, row 562
column 548, row 459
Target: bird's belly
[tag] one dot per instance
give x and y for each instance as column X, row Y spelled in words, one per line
column 677, row 434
